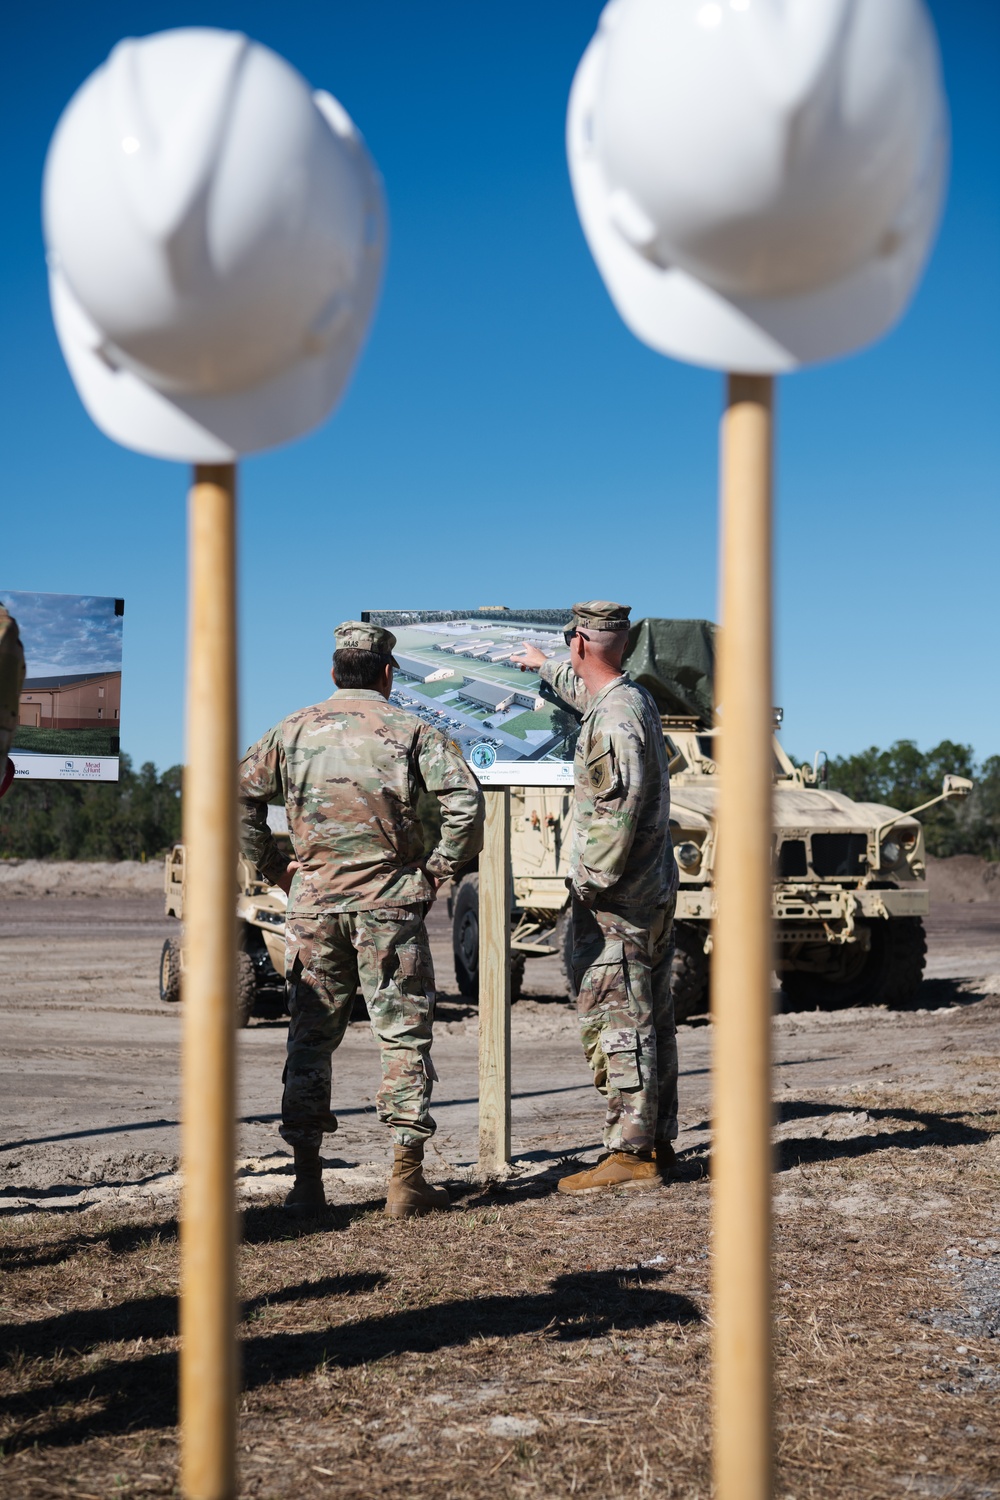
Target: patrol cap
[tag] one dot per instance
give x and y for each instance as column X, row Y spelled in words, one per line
column 599, row 614
column 355, row 635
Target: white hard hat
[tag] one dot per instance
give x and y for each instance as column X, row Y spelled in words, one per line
column 215, row 237
column 759, row 181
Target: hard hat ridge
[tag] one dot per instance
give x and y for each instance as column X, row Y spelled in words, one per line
column 215, row 235
column 165, row 170
column 759, row 182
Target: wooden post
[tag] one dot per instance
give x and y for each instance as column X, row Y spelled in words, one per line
column 742, row 958
column 208, row 1217
column 494, row 984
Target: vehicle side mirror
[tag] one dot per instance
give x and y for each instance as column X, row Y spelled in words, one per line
column 956, row 786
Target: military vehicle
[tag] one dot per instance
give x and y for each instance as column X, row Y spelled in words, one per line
column 260, row 918
column 850, row 892
column 849, row 896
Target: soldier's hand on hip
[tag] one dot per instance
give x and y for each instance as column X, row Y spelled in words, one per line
column 284, row 880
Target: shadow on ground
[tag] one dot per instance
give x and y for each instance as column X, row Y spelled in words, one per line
column 927, row 1128
column 125, row 1395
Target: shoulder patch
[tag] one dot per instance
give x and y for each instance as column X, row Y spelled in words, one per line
column 600, row 764
column 599, row 774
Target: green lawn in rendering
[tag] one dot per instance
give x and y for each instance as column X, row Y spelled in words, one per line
column 431, row 689
column 533, row 718
column 66, row 741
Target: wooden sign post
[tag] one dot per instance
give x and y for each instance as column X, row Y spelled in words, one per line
column 494, row 984
column 742, row 959
column 208, row 1218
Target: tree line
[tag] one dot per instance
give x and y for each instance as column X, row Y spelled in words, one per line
column 904, row 776
column 140, row 814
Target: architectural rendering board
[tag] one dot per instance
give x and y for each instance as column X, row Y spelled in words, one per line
column 455, row 672
column 69, row 719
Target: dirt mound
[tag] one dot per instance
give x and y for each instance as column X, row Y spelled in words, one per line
column 962, row 878
column 69, row 877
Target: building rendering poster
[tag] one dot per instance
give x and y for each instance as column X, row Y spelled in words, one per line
column 69, row 719
column 455, row 672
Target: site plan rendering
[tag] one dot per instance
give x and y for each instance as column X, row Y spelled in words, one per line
column 455, row 672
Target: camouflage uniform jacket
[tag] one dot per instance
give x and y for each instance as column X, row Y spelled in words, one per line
column 349, row 771
column 622, row 856
column 11, row 678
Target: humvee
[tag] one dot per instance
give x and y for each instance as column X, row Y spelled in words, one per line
column 260, row 925
column 850, row 890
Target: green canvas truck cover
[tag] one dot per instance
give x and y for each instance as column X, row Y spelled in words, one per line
column 675, row 661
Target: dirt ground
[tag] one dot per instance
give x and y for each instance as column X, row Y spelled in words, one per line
column 526, row 1344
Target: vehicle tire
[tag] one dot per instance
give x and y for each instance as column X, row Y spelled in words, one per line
column 563, row 936
column 465, row 936
column 246, row 988
column 465, row 943
column 689, row 972
column 889, row 973
column 170, row 972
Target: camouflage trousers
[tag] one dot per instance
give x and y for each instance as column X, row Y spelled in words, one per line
column 621, row 967
column 388, row 953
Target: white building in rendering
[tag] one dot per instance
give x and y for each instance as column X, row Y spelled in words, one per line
column 422, row 671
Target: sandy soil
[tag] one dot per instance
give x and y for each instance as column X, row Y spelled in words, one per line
column 45, row 877
column 963, row 878
column 491, row 1348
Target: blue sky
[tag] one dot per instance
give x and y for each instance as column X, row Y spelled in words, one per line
column 505, row 438
column 66, row 633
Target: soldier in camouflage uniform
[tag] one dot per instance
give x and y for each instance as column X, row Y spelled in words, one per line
column 11, row 678
column 624, row 887
column 349, row 771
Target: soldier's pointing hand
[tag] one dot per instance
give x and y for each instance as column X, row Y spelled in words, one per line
column 529, row 658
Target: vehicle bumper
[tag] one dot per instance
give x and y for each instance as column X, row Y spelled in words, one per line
column 821, row 907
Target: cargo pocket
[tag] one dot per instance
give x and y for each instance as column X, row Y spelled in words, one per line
column 620, row 1045
column 415, row 963
column 602, row 984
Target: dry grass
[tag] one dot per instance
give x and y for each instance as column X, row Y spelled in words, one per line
column 520, row 1347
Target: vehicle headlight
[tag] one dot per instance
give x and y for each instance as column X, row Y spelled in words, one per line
column 891, row 854
column 688, row 856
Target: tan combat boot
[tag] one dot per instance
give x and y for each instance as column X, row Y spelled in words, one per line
column 408, row 1193
column 620, row 1169
column 307, row 1196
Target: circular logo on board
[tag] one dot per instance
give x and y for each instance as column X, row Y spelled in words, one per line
column 482, row 755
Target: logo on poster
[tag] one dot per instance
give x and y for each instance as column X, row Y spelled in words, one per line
column 482, row 755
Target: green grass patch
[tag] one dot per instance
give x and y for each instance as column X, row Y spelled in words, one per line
column 532, row 718
column 67, row 741
column 432, row 689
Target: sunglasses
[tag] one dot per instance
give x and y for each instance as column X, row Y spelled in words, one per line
column 570, row 633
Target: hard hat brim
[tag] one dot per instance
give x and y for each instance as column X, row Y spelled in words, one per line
column 677, row 314
column 220, row 429
column 195, row 429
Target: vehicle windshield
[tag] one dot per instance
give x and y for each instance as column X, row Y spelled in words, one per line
column 707, row 749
